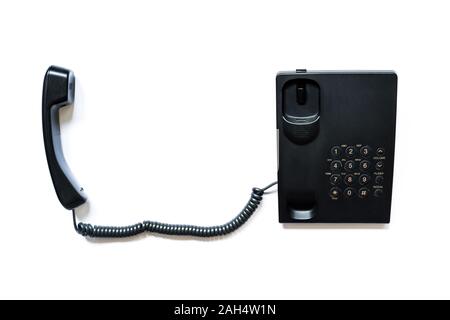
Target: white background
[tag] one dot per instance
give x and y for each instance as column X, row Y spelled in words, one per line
column 175, row 121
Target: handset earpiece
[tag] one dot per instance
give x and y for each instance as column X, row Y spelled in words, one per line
column 59, row 91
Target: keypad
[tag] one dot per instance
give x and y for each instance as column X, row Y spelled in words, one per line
column 355, row 171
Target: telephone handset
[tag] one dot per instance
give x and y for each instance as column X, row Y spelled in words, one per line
column 59, row 91
column 336, row 134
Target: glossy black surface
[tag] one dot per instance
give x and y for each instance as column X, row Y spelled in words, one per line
column 59, row 91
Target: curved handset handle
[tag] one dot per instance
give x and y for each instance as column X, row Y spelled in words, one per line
column 59, row 91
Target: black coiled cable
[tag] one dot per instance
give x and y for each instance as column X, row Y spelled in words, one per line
column 174, row 229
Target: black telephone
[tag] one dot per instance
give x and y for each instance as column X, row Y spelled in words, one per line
column 336, row 133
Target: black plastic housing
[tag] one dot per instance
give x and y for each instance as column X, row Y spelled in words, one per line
column 319, row 110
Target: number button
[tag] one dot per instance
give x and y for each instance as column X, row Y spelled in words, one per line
column 335, row 193
column 335, row 179
column 350, row 151
column 336, row 166
column 349, row 166
column 363, row 193
column 349, row 193
column 365, row 151
column 364, row 165
column 349, row 179
column 364, row 179
column 336, row 152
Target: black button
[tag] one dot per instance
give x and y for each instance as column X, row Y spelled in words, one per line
column 350, row 151
column 336, row 151
column 380, row 152
column 349, row 193
column 365, row 151
column 364, row 165
column 379, row 180
column 335, row 193
column 378, row 193
column 379, row 165
column 335, row 179
column 364, row 179
column 336, row 165
column 349, row 179
column 349, row 166
column 363, row 193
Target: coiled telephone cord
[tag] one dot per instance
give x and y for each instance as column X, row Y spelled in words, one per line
column 94, row 231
